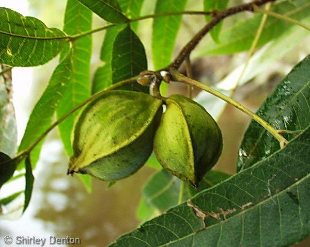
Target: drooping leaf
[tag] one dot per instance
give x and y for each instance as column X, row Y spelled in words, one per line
column 108, row 10
column 8, row 130
column 288, row 108
column 165, row 30
column 26, row 41
column 103, row 75
column 77, row 19
column 42, row 114
column 266, row 204
column 215, row 5
column 128, row 58
column 7, row 168
column 29, row 182
column 240, row 36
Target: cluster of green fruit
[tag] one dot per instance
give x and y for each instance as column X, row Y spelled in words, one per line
column 116, row 133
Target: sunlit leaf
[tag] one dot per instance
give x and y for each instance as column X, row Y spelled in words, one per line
column 288, row 108
column 165, row 30
column 215, row 5
column 258, row 64
column 42, row 114
column 26, row 41
column 77, row 19
column 239, row 37
column 109, row 10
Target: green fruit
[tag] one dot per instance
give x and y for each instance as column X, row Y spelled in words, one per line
column 114, row 134
column 188, row 142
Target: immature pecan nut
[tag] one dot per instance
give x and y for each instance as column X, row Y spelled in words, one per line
column 188, row 142
column 114, row 134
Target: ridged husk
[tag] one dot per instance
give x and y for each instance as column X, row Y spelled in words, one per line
column 188, row 141
column 114, row 134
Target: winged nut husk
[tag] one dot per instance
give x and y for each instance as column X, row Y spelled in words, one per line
column 188, row 141
column 113, row 136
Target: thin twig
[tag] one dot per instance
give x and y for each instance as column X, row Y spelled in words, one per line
column 189, row 47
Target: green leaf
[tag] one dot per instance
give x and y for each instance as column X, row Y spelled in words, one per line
column 42, row 114
column 240, row 36
column 102, row 78
column 165, row 30
column 162, row 190
column 264, row 205
column 128, row 58
column 7, row 168
column 26, row 41
column 153, row 162
column 288, row 108
column 132, row 9
column 215, row 5
column 109, row 10
column 87, row 181
column 5, row 201
column 77, row 19
column 29, row 182
column 103, row 75
column 145, row 211
column 8, row 130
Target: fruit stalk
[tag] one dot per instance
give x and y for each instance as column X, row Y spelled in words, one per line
column 275, row 133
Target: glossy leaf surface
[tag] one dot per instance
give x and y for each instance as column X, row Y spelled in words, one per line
column 288, row 109
column 26, row 41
